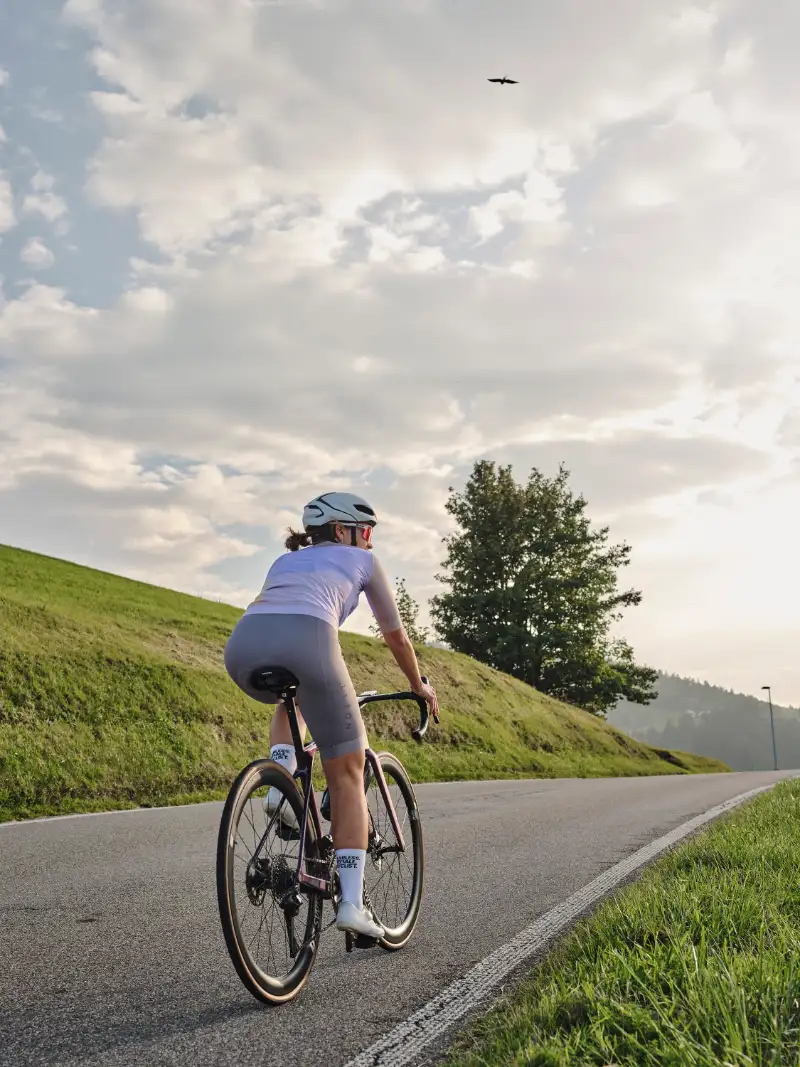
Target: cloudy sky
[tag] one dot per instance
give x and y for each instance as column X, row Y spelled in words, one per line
column 253, row 250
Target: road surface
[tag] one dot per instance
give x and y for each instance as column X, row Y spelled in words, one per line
column 111, row 950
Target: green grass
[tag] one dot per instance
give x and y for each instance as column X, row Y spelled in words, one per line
column 695, row 965
column 113, row 694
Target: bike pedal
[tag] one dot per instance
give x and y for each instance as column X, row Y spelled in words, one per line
column 362, row 941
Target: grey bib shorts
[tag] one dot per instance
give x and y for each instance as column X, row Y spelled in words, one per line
column 310, row 649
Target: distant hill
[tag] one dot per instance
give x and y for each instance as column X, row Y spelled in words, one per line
column 697, row 717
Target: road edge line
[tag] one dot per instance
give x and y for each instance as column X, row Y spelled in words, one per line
column 95, row 814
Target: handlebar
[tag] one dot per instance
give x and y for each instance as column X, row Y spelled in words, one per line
column 373, row 696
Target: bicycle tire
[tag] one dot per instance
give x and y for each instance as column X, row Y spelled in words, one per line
column 397, row 934
column 270, row 989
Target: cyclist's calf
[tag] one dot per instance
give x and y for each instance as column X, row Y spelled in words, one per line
column 345, row 775
column 280, row 733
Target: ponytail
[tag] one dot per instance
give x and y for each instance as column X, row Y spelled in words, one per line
column 297, row 540
column 316, row 536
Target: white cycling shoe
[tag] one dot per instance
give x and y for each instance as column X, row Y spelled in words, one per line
column 288, row 817
column 357, row 921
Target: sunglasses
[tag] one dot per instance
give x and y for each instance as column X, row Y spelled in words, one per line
column 365, row 531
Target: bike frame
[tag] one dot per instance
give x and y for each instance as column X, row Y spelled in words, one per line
column 303, row 774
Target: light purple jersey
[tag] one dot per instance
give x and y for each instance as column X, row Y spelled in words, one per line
column 326, row 581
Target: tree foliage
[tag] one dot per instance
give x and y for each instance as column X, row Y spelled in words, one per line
column 408, row 609
column 532, row 589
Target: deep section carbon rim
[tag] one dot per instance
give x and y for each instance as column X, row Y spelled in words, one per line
column 393, row 879
column 271, row 926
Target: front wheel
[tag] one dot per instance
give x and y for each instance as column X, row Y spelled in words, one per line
column 271, row 925
column 393, row 879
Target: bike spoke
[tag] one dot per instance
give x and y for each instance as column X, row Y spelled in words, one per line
column 249, row 819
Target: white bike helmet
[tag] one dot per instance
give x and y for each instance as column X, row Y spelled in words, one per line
column 346, row 508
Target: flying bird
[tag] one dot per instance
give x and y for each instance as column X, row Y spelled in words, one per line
column 503, row 81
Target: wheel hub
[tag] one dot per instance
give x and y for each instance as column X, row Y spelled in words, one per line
column 375, row 846
column 258, row 879
column 265, row 875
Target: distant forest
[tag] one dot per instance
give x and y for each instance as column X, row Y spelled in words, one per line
column 697, row 717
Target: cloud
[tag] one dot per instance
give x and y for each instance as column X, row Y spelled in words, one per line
column 8, row 216
column 633, row 469
column 313, row 247
column 193, row 179
column 35, row 253
column 170, row 531
column 540, row 200
column 42, row 200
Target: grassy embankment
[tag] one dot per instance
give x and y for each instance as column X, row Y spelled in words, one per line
column 113, row 694
column 694, row 965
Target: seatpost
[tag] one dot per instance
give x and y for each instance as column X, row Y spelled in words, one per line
column 303, row 759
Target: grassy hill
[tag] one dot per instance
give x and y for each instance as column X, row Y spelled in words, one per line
column 113, row 694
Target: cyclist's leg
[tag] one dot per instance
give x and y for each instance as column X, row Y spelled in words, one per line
column 282, row 751
column 310, row 648
column 334, row 718
column 349, row 828
column 345, row 777
column 253, row 644
column 331, row 710
column 248, row 647
column 279, row 731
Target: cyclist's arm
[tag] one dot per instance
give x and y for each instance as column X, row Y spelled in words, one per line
column 403, row 651
column 384, row 607
column 381, row 598
column 406, row 658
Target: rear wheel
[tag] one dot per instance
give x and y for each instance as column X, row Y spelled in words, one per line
column 271, row 925
column 393, row 879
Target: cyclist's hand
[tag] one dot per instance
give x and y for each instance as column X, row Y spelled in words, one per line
column 428, row 693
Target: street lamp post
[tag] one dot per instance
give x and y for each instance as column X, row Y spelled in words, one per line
column 772, row 726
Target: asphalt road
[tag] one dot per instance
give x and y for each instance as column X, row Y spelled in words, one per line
column 111, row 950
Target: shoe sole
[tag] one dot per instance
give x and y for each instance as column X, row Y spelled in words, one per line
column 359, row 933
column 285, row 830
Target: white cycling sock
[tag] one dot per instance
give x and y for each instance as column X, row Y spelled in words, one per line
column 350, row 865
column 285, row 755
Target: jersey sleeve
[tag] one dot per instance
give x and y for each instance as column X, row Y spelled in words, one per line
column 381, row 599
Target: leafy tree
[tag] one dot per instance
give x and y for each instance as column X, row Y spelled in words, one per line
column 408, row 610
column 533, row 590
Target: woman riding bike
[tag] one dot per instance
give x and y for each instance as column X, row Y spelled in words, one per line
column 293, row 623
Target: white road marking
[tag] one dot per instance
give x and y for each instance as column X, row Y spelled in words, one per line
column 406, row 1041
column 96, row 814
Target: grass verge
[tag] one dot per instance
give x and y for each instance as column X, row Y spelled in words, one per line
column 113, row 694
column 697, row 964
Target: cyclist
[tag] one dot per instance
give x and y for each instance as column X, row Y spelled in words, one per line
column 293, row 623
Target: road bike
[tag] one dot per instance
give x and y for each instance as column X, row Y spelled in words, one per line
column 274, row 874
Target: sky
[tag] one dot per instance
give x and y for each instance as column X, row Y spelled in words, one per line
column 251, row 251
